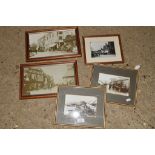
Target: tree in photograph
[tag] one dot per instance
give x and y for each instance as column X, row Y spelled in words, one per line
column 33, row 47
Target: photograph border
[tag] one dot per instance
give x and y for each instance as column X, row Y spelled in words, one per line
column 22, row 66
column 81, row 125
column 28, row 59
column 132, row 103
column 106, row 35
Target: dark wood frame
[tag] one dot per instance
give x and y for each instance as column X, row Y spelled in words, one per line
column 28, row 59
column 22, row 66
column 108, row 35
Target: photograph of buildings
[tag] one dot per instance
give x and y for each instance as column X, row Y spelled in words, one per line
column 102, row 49
column 80, row 106
column 118, row 85
column 45, row 79
column 52, row 43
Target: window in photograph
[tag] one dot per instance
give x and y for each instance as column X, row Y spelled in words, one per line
column 52, row 44
column 41, row 80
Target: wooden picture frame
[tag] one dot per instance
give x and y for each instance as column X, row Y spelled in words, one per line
column 121, row 84
column 103, row 49
column 51, row 44
column 80, row 107
column 41, row 80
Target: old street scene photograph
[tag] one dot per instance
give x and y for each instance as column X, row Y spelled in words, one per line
column 78, row 106
column 102, row 49
column 118, row 85
column 46, row 79
column 52, row 43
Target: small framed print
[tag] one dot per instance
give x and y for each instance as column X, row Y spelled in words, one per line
column 103, row 49
column 121, row 84
column 79, row 106
column 52, row 44
column 41, row 80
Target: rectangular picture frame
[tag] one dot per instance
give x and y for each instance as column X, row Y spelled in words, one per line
column 52, row 44
column 103, row 49
column 121, row 84
column 41, row 80
column 80, row 107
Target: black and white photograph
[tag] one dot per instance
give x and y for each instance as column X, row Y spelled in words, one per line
column 45, row 79
column 102, row 49
column 118, row 85
column 52, row 44
column 80, row 106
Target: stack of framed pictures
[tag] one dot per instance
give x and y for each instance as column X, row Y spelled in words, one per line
column 77, row 106
column 41, row 80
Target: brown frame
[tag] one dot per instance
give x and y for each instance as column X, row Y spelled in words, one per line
column 107, row 35
column 22, row 66
column 28, row 59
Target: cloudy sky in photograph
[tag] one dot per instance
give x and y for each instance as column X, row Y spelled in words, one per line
column 57, row 71
column 33, row 37
column 78, row 98
column 97, row 45
column 108, row 78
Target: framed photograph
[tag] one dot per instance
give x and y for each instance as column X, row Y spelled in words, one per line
column 52, row 44
column 79, row 106
column 121, row 84
column 103, row 49
column 41, row 80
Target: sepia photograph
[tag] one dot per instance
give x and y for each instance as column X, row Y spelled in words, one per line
column 80, row 106
column 44, row 79
column 103, row 49
column 118, row 85
column 52, row 44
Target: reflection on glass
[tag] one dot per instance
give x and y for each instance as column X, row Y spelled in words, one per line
column 75, row 114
